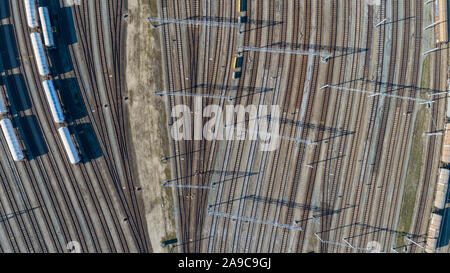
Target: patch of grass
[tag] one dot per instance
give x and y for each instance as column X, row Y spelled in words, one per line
column 414, row 165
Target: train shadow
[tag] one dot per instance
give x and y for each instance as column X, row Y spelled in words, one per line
column 60, row 56
column 17, row 93
column 71, row 98
column 89, row 146
column 32, row 136
column 62, row 19
column 8, row 48
column 4, row 10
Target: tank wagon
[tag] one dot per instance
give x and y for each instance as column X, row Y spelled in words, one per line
column 44, row 16
column 53, row 101
column 71, row 151
column 11, row 139
column 30, row 9
column 39, row 54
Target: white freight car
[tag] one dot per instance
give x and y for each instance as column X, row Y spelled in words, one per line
column 433, row 233
column 39, row 54
column 3, row 109
column 44, row 15
column 30, row 9
column 53, row 101
column 441, row 188
column 68, row 145
column 11, row 139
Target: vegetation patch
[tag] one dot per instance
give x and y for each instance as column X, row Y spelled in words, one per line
column 414, row 165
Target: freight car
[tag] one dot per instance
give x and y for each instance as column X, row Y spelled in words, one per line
column 11, row 139
column 69, row 146
column 39, row 53
column 44, row 16
column 53, row 101
column 30, row 9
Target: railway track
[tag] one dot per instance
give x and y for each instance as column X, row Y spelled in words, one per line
column 111, row 121
column 368, row 177
column 73, row 202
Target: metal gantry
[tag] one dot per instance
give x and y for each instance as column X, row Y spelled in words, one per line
column 168, row 183
column 284, row 51
column 431, row 51
column 433, row 25
column 347, row 243
column 413, row 242
column 187, row 186
column 253, row 220
column 382, row 22
column 178, row 94
column 193, row 22
column 374, row 94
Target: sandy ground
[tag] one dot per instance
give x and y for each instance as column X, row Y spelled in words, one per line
column 147, row 118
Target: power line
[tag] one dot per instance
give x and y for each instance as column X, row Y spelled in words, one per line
column 373, row 94
column 253, row 220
